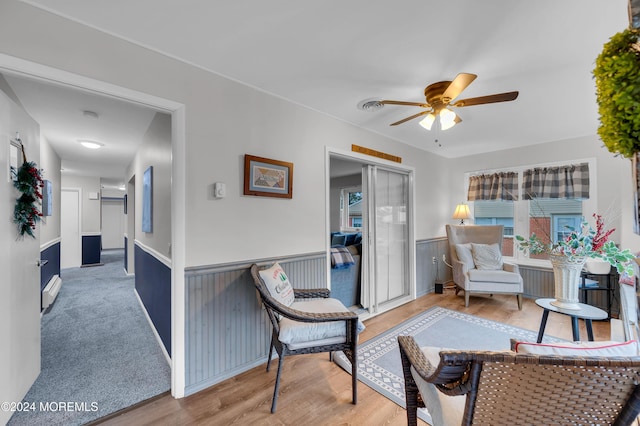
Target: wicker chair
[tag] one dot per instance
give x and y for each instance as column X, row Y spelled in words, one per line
column 505, row 388
column 276, row 311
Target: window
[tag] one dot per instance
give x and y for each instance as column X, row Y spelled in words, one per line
column 549, row 218
column 351, row 209
column 496, row 212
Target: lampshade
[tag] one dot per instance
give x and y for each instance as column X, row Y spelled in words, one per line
column 462, row 212
column 427, row 121
column 447, row 119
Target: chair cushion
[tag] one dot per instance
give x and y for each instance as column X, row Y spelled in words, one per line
column 602, row 348
column 297, row 334
column 463, row 251
column 486, row 256
column 444, row 409
column 493, row 276
column 278, row 284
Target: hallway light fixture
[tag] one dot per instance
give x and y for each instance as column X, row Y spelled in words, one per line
column 90, row 144
column 462, row 212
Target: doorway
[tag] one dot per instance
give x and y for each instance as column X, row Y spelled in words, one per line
column 387, row 264
column 70, row 228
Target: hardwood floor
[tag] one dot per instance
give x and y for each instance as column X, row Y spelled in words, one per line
column 315, row 391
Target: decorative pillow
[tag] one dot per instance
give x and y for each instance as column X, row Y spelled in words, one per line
column 464, row 254
column 604, row 348
column 278, row 284
column 486, row 256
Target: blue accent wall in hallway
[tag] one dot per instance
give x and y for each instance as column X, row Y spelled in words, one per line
column 153, row 284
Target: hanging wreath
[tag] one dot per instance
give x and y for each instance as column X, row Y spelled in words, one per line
column 27, row 180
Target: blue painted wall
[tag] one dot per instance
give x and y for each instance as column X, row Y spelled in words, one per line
column 52, row 267
column 153, row 284
column 91, row 247
column 126, row 254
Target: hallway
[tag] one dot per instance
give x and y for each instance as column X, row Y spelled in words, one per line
column 99, row 353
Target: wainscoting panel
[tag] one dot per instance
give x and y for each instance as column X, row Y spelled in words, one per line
column 227, row 331
column 538, row 282
column 153, row 284
column 91, row 246
column 426, row 271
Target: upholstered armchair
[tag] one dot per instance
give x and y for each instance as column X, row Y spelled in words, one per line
column 476, row 259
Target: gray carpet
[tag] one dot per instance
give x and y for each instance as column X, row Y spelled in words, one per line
column 379, row 365
column 99, row 354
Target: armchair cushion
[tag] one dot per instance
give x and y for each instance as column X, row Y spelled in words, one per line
column 602, row 348
column 493, row 276
column 299, row 334
column 278, row 284
column 444, row 409
column 486, row 256
column 464, row 254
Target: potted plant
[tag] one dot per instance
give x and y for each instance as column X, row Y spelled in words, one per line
column 569, row 255
column 617, row 77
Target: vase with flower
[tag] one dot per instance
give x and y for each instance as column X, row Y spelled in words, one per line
column 569, row 255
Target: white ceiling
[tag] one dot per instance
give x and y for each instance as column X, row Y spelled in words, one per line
column 331, row 55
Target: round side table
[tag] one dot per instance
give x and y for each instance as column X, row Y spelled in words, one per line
column 586, row 312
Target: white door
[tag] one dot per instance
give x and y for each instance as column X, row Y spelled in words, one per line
column 70, row 237
column 390, row 230
column 112, row 224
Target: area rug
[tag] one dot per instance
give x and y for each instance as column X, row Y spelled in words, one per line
column 379, row 358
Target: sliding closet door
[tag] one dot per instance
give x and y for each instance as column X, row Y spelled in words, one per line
column 390, row 231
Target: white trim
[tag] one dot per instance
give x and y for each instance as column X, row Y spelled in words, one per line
column 49, row 244
column 153, row 328
column 153, row 252
column 92, row 234
column 21, row 67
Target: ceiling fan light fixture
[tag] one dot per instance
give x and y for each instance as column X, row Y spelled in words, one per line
column 428, row 121
column 447, row 119
column 91, row 144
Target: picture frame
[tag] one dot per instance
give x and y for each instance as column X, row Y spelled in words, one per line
column 47, row 198
column 147, row 200
column 266, row 177
column 15, row 159
column 635, row 171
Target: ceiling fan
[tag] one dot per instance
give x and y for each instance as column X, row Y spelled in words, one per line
column 440, row 98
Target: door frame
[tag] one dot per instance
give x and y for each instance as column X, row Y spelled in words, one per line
column 21, row 67
column 368, row 160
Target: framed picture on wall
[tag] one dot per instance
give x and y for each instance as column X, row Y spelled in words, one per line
column 635, row 171
column 267, row 178
column 147, row 200
column 47, row 198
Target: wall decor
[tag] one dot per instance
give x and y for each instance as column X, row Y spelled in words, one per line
column 267, row 178
column 28, row 181
column 47, row 198
column 147, row 200
column 14, row 158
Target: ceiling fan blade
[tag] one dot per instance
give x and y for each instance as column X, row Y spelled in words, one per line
column 410, row 118
column 461, row 82
column 490, row 99
column 419, row 104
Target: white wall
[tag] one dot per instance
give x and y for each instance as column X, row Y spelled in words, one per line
column 50, row 163
column 612, row 186
column 219, row 133
column 90, row 208
column 155, row 151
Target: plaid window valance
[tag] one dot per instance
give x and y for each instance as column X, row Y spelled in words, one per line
column 570, row 181
column 496, row 186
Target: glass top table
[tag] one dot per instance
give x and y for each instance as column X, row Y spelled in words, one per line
column 586, row 313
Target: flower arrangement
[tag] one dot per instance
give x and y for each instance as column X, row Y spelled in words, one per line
column 28, row 180
column 585, row 242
